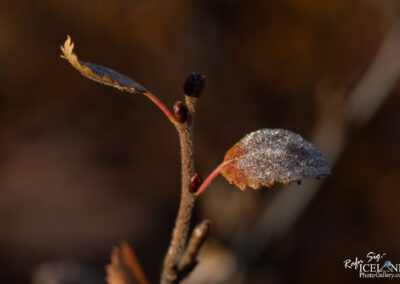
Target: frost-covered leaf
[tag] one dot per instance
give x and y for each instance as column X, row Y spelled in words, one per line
column 267, row 156
column 99, row 73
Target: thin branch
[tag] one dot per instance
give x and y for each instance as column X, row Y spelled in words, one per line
column 193, row 87
column 170, row 273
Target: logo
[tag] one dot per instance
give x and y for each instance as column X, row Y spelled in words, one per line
column 373, row 266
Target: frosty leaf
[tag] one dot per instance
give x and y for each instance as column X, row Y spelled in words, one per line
column 267, row 156
column 99, row 73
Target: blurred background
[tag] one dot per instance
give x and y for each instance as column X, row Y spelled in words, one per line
column 83, row 166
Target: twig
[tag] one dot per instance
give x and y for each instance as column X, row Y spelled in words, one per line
column 170, row 273
column 183, row 120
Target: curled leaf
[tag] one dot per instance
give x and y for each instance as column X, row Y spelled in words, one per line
column 267, row 156
column 99, row 73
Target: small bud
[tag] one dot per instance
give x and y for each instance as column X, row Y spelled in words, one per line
column 194, row 84
column 201, row 231
column 196, row 241
column 195, row 183
column 180, row 112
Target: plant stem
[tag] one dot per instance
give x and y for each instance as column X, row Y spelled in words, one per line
column 170, row 273
column 209, row 179
column 162, row 106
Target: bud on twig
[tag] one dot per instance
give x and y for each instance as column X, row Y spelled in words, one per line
column 200, row 232
column 196, row 241
column 195, row 183
column 180, row 112
column 194, row 84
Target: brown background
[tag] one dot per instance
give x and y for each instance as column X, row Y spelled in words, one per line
column 83, row 166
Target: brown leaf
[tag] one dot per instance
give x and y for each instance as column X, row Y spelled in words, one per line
column 117, row 272
column 267, row 156
column 99, row 73
column 125, row 267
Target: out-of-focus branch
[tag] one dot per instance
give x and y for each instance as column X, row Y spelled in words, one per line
column 335, row 116
column 125, row 267
column 378, row 81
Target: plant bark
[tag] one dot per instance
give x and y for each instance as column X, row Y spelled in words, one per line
column 171, row 273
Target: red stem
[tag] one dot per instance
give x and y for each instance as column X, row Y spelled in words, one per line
column 162, row 106
column 209, row 179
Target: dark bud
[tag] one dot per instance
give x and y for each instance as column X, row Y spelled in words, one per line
column 195, row 183
column 180, row 112
column 194, row 84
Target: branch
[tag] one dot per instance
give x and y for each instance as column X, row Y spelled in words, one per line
column 170, row 273
column 183, row 120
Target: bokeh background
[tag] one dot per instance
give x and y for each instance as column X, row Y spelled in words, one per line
column 83, row 166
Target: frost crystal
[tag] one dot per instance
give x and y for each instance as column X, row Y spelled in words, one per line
column 267, row 156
